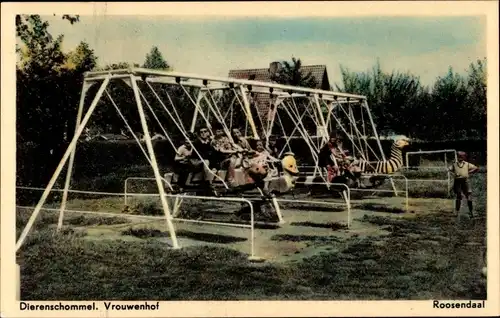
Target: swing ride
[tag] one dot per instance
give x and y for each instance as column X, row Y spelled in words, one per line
column 221, row 105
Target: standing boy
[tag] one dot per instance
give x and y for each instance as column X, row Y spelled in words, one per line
column 462, row 169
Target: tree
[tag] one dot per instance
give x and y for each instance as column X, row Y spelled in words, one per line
column 48, row 89
column 105, row 118
column 117, row 66
column 71, row 18
column 178, row 100
column 476, row 102
column 448, row 100
column 397, row 104
column 392, row 96
column 454, row 107
column 155, row 60
column 38, row 51
column 291, row 74
column 82, row 59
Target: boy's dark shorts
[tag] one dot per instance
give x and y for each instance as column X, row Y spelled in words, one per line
column 461, row 185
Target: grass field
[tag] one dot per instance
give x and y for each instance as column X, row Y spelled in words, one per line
column 427, row 253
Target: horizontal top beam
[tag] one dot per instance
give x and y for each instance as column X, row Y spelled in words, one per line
column 208, row 87
column 143, row 71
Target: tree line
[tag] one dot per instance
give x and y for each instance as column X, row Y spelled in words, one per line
column 401, row 104
column 454, row 107
column 49, row 84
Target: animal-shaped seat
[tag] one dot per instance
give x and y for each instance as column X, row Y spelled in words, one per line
column 249, row 173
column 244, row 174
column 376, row 168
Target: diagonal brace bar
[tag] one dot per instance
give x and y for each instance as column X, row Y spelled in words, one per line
column 59, row 168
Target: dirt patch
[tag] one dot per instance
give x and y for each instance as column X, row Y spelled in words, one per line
column 302, row 238
column 379, row 208
column 329, row 225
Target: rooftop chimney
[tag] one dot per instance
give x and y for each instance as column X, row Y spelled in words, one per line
column 274, row 68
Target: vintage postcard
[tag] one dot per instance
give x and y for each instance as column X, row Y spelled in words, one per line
column 249, row 159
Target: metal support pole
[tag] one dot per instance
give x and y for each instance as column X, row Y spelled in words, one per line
column 325, row 138
column 293, row 131
column 59, row 168
column 156, row 170
column 324, row 133
column 85, row 87
column 269, row 121
column 217, row 115
column 277, row 103
column 232, row 115
column 195, row 115
column 358, row 134
column 365, row 104
column 18, row 282
column 249, row 112
column 177, row 206
column 322, row 120
column 365, row 136
column 329, row 109
column 347, row 134
column 278, row 210
column 352, row 122
column 447, row 172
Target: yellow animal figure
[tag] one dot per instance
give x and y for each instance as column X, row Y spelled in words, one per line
column 286, row 181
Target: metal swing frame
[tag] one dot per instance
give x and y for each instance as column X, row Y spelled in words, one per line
column 324, row 120
column 131, row 76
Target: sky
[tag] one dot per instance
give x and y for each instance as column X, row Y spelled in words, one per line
column 424, row 46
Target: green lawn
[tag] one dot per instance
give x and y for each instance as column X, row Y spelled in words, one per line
column 431, row 254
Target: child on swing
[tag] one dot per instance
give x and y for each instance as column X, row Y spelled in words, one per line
column 330, row 153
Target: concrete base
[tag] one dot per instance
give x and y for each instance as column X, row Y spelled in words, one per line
column 256, row 259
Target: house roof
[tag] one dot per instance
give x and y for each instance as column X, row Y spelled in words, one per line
column 264, row 75
column 262, row 101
